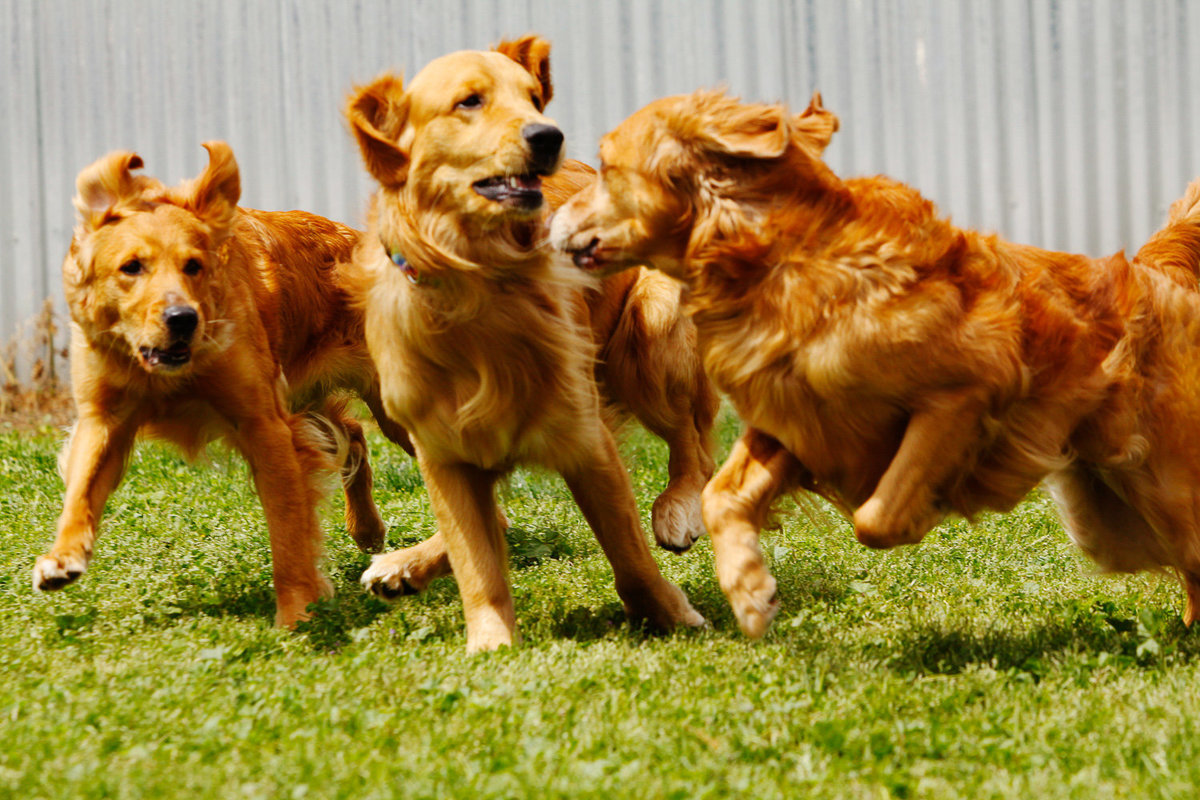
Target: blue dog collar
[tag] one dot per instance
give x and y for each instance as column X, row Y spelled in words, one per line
column 408, row 269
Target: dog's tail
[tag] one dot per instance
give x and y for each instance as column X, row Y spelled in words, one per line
column 325, row 432
column 1175, row 249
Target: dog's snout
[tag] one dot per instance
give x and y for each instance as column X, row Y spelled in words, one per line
column 545, row 143
column 181, row 321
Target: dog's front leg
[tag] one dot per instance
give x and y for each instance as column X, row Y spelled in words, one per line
column 464, row 502
column 602, row 489
column 902, row 510
column 287, row 472
column 95, row 461
column 408, row 570
column 736, row 503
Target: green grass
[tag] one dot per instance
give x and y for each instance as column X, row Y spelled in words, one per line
column 988, row 662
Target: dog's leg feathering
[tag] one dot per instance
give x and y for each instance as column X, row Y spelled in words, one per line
column 736, row 503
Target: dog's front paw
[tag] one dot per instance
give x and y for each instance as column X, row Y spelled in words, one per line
column 755, row 606
column 876, row 527
column 676, row 519
column 400, row 572
column 53, row 572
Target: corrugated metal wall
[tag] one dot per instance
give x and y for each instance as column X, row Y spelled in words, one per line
column 1063, row 123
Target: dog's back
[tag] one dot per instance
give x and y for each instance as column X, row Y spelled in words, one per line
column 300, row 263
column 1175, row 248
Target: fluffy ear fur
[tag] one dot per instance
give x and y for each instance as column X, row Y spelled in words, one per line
column 105, row 183
column 748, row 131
column 533, row 53
column 214, row 193
column 815, row 126
column 377, row 113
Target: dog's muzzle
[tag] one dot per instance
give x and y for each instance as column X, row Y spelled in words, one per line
column 181, row 322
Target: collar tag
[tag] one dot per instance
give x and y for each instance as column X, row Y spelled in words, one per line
column 409, row 270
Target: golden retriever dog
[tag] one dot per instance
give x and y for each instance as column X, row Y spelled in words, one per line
column 895, row 364
column 194, row 319
column 486, row 341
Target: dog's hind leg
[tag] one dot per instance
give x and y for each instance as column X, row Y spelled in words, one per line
column 1102, row 524
column 394, row 432
column 363, row 521
column 93, row 463
column 737, row 502
column 676, row 515
column 651, row 366
column 604, row 493
column 1162, row 531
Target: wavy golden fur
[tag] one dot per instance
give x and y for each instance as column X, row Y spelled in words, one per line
column 194, row 319
column 487, row 344
column 897, row 365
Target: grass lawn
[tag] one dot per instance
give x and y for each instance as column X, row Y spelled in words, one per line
column 987, row 662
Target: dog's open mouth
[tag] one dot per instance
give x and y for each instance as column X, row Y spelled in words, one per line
column 587, row 258
column 176, row 355
column 515, row 191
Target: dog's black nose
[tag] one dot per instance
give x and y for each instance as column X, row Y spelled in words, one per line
column 545, row 143
column 181, row 321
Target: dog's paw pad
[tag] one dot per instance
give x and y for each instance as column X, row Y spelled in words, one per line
column 51, row 573
column 755, row 607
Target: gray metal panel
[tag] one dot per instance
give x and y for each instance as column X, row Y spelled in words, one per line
column 1062, row 123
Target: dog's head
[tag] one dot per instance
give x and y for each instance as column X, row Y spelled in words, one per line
column 140, row 273
column 684, row 163
column 466, row 137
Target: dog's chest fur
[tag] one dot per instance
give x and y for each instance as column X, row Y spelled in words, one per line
column 511, row 384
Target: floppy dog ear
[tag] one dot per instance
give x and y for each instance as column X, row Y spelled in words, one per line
column 533, row 53
column 816, row 125
column 104, row 183
column 749, row 131
column 377, row 113
column 215, row 192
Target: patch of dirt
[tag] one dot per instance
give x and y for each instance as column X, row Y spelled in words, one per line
column 33, row 410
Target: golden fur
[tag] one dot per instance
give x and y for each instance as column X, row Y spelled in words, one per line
column 899, row 366
column 486, row 344
column 267, row 331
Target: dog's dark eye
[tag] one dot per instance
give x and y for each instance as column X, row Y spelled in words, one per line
column 192, row 267
column 132, row 267
column 537, row 102
column 474, row 101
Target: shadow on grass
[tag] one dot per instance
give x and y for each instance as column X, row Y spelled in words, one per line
column 1096, row 632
